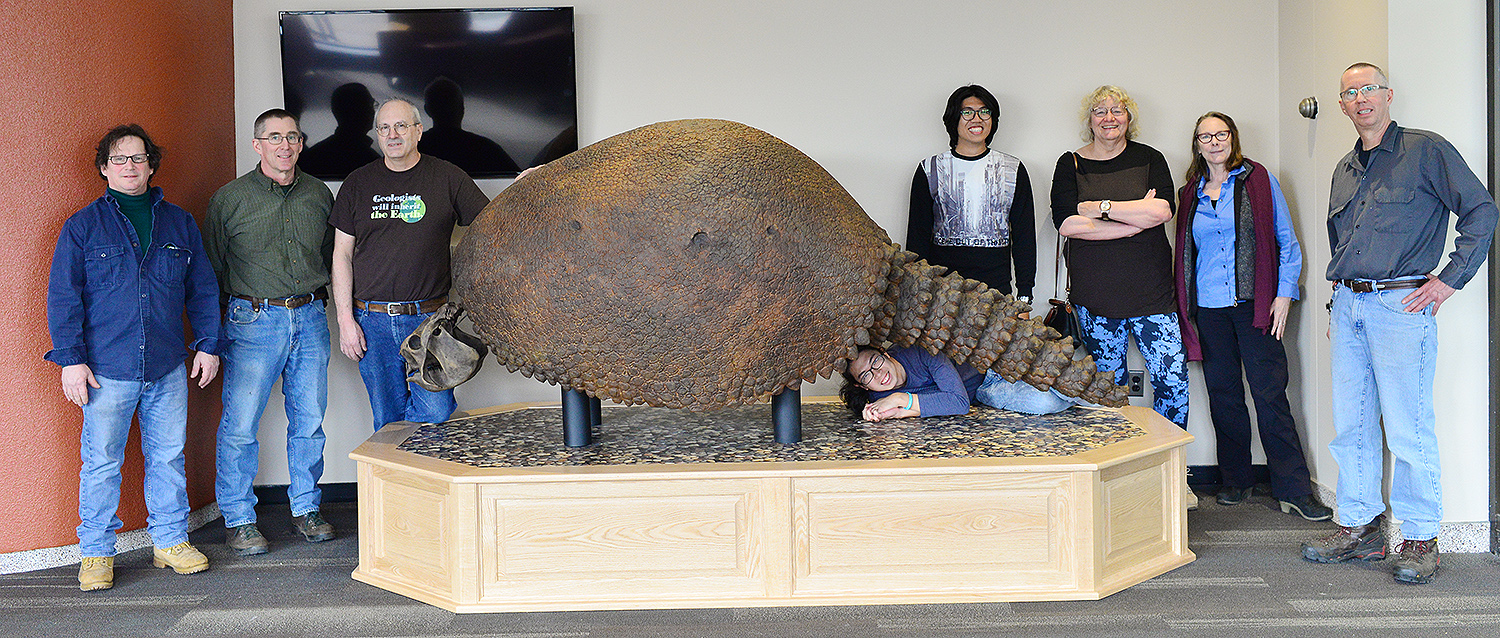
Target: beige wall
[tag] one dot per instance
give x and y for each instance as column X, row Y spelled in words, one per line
column 860, row 87
column 1437, row 63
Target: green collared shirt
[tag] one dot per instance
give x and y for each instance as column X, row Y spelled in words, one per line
column 270, row 241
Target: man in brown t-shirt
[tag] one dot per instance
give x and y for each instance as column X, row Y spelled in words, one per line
column 393, row 220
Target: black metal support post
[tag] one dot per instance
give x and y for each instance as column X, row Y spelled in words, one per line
column 786, row 415
column 577, row 420
column 595, row 418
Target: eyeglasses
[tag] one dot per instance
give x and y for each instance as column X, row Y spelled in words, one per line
column 276, row 139
column 968, row 114
column 1116, row 111
column 138, row 158
column 876, row 362
column 384, row 130
column 1204, row 138
column 1366, row 90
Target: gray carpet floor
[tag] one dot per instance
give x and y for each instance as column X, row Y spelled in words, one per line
column 1248, row 581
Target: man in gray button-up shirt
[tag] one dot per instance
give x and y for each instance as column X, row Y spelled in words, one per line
column 270, row 243
column 1387, row 225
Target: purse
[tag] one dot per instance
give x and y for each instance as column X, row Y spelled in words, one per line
column 1061, row 316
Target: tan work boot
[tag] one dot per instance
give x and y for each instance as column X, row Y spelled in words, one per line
column 96, row 572
column 1189, row 497
column 182, row 557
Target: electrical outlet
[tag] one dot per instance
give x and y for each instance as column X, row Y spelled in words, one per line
column 1135, row 383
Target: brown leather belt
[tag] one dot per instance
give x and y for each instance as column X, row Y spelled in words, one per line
column 294, row 301
column 404, row 307
column 1365, row 285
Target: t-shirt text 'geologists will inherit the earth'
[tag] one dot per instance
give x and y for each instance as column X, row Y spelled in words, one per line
column 408, row 208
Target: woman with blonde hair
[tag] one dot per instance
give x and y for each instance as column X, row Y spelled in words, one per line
column 1109, row 199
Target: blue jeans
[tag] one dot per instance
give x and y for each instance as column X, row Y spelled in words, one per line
column 162, row 405
column 1159, row 338
column 1020, row 397
column 392, row 397
column 264, row 345
column 1383, row 362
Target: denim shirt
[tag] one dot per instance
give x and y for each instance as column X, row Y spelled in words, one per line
column 1390, row 219
column 1214, row 238
column 119, row 308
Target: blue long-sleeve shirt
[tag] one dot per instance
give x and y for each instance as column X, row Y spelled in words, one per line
column 943, row 388
column 118, row 306
column 1389, row 218
column 1214, row 238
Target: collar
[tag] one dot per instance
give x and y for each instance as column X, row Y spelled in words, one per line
column 264, row 181
column 970, row 158
column 1229, row 181
column 154, row 193
column 1387, row 140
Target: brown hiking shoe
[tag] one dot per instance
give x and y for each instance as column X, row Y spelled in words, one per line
column 313, row 527
column 1417, row 563
column 96, row 572
column 246, row 540
column 1365, row 542
column 182, row 558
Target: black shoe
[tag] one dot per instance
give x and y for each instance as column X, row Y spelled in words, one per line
column 1308, row 507
column 1365, row 542
column 1229, row 496
column 1417, row 563
column 246, row 540
column 313, row 527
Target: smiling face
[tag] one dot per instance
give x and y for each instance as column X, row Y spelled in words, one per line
column 402, row 129
column 278, row 159
column 129, row 178
column 1109, row 120
column 1370, row 112
column 973, row 132
column 1216, row 152
column 884, row 373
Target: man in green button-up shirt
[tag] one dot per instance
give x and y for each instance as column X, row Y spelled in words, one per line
column 268, row 238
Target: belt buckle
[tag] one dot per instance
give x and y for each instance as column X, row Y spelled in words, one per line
column 394, row 309
column 1363, row 286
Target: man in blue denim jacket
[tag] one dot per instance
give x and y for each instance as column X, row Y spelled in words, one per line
column 125, row 270
column 1387, row 224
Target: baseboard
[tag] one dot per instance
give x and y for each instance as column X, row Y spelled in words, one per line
column 332, row 493
column 1207, row 475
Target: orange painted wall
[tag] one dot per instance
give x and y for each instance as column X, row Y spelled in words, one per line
column 70, row 70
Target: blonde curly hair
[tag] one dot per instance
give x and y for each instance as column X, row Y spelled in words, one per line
column 1101, row 94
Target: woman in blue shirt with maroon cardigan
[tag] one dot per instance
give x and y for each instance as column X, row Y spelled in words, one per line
column 1237, row 264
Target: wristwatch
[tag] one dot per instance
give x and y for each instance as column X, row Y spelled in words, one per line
column 1104, row 210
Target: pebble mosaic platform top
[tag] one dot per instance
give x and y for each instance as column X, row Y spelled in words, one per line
column 631, row 435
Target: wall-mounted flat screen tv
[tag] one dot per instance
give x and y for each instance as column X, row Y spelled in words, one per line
column 495, row 87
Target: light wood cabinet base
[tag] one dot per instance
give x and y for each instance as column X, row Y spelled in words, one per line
column 772, row 534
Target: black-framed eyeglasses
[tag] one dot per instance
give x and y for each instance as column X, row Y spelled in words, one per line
column 1204, row 138
column 1366, row 90
column 275, row 139
column 969, row 114
column 400, row 128
column 876, row 362
column 138, row 158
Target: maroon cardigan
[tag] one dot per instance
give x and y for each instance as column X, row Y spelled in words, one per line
column 1253, row 188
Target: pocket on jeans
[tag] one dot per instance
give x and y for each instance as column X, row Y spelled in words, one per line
column 241, row 314
column 1391, row 300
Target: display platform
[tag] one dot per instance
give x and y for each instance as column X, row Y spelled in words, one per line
column 489, row 511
